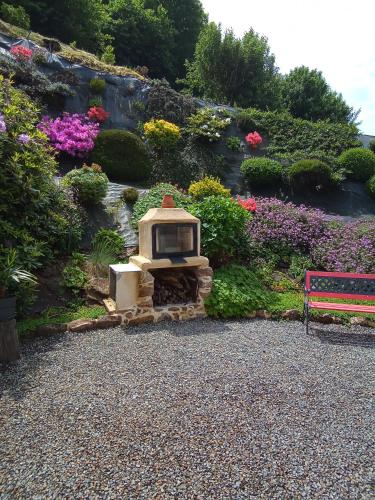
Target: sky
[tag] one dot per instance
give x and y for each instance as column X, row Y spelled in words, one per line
column 335, row 36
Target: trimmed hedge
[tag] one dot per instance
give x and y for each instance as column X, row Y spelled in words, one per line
column 261, row 171
column 360, row 162
column 122, row 155
column 310, row 174
column 287, row 134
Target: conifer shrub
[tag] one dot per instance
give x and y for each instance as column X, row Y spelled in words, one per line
column 97, row 86
column 130, row 195
column 122, row 155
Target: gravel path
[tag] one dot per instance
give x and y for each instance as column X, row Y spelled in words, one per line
column 208, row 409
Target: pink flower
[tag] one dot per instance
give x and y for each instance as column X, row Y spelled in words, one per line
column 253, row 139
column 249, row 204
column 21, row 53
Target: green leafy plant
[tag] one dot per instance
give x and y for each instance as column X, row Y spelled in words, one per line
column 261, row 171
column 359, row 162
column 237, row 292
column 89, row 184
column 74, row 276
column 97, row 86
column 208, row 186
column 207, row 124
column 223, row 223
column 130, row 195
column 371, row 186
column 310, row 174
column 298, row 265
column 372, row 145
column 234, row 143
column 11, row 275
column 110, row 238
column 122, row 155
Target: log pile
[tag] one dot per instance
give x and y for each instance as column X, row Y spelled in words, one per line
column 174, row 286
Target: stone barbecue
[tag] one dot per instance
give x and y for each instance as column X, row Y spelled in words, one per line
column 169, row 279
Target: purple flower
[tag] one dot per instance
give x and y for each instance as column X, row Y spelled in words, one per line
column 71, row 134
column 3, row 127
column 24, row 138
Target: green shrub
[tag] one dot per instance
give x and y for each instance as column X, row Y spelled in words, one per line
column 97, row 86
column 130, row 195
column 286, row 134
column 223, row 224
column 207, row 124
column 111, row 239
column 15, row 15
column 236, row 293
column 234, row 143
column 74, row 276
column 310, row 174
column 208, row 186
column 122, row 155
column 360, row 162
column 89, row 184
column 371, row 186
column 261, row 171
column 36, row 216
column 153, row 199
column 372, row 145
column 298, row 265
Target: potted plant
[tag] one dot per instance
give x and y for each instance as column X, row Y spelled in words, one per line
column 11, row 274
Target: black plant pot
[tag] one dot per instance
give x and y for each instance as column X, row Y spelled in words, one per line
column 7, row 308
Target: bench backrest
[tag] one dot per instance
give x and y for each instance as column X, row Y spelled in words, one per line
column 340, row 285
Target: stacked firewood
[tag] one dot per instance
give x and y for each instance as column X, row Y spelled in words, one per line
column 174, row 286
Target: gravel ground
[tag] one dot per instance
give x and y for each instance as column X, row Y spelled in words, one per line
column 202, row 409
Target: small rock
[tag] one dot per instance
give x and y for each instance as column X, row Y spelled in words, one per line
column 81, row 325
column 108, row 321
column 291, row 314
column 46, row 330
column 263, row 314
column 325, row 318
column 361, row 321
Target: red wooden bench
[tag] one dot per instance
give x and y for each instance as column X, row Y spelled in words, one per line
column 338, row 286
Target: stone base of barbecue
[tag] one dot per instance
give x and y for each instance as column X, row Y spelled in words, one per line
column 145, row 312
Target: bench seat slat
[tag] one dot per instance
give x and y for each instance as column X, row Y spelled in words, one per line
column 342, row 307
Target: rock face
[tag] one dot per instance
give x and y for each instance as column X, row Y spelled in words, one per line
column 121, row 96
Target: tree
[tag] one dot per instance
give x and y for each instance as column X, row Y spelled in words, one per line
column 306, row 94
column 188, row 18
column 82, row 21
column 235, row 70
column 142, row 36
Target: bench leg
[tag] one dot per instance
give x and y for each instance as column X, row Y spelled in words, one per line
column 307, row 318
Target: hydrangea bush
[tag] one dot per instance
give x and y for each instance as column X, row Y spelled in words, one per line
column 73, row 134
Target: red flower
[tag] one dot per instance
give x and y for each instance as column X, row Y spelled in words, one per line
column 21, row 53
column 249, row 204
column 98, row 114
column 253, row 139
